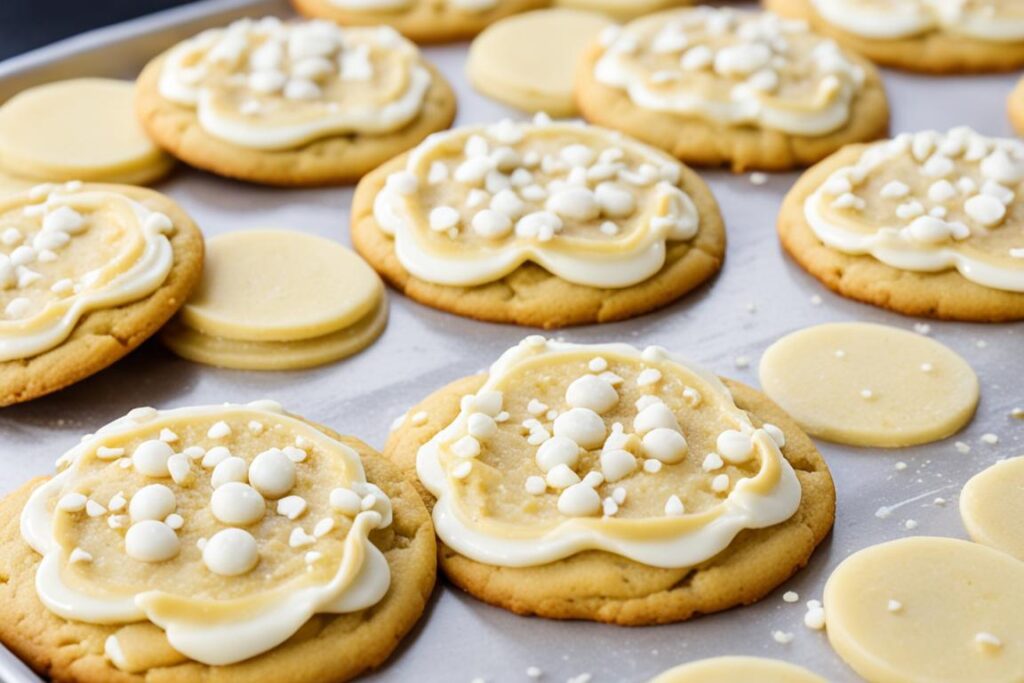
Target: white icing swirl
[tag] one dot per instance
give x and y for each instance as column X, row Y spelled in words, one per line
column 616, row 241
column 973, row 201
column 732, row 67
column 998, row 21
column 361, row 579
column 270, row 85
column 768, row 498
column 38, row 321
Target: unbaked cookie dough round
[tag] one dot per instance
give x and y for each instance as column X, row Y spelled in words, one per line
column 992, row 506
column 928, row 610
column 870, row 385
column 277, row 300
column 80, row 129
column 738, row 670
column 622, row 10
column 529, row 60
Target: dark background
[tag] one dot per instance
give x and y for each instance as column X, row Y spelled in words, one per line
column 28, row 24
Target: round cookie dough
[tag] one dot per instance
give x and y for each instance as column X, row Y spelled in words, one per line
column 992, row 506
column 277, row 300
column 334, row 647
column 869, row 385
column 529, row 60
column 81, row 129
column 935, row 51
column 1015, row 107
column 330, row 160
column 738, row 670
column 928, row 610
column 105, row 335
column 622, row 10
column 422, row 21
column 599, row 586
column 702, row 138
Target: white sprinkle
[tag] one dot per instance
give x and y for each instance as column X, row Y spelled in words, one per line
column 900, row 466
column 910, row 524
column 962, row 447
column 922, row 328
column 816, row 300
column 758, row 178
column 720, row 483
column 990, row 438
column 535, row 485
column 894, row 606
column 652, row 466
column 167, row 436
column 533, row 672
column 78, row 555
column 815, row 617
column 791, row 596
column 462, row 470
column 782, row 637
column 927, row 367
column 420, row 418
column 867, row 394
column 742, row 362
column 219, row 430
column 94, row 509
column 674, row 507
column 988, row 641
column 648, row 376
column 712, row 462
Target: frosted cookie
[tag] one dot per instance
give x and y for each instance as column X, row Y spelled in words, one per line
column 927, row 224
column 718, row 86
column 936, row 36
column 312, row 302
column 228, row 542
column 529, row 60
column 424, row 21
column 87, row 273
column 81, row 129
column 738, row 670
column 622, row 10
column 601, row 482
column 928, row 610
column 870, row 385
column 292, row 103
column 549, row 224
column 991, row 506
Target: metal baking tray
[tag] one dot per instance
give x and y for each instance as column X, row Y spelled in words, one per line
column 759, row 296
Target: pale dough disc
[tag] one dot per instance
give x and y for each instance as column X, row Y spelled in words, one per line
column 738, row 670
column 870, row 385
column 928, row 610
column 992, row 507
column 279, row 285
column 529, row 60
column 270, row 355
column 622, row 10
column 80, row 129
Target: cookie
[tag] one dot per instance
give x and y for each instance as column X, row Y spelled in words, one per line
column 926, row 224
column 601, row 468
column 80, row 129
column 870, row 385
column 548, row 225
column 990, row 505
column 1015, row 107
column 918, row 35
column 621, row 10
column 292, row 103
column 87, row 273
column 718, row 86
column 313, row 302
column 529, row 60
column 738, row 670
column 928, row 609
column 423, row 21
column 312, row 551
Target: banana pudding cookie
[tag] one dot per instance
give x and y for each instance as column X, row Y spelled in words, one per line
column 229, row 542
column 303, row 103
column 424, row 21
column 718, row 86
column 934, row 36
column 925, row 224
column 607, row 483
column 544, row 224
column 87, row 273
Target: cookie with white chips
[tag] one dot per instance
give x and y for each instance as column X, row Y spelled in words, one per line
column 607, row 483
column 424, row 21
column 234, row 542
column 545, row 224
column 947, row 36
column 87, row 273
column 926, row 224
column 719, row 86
column 292, row 103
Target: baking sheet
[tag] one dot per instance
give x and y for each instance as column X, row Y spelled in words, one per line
column 759, row 296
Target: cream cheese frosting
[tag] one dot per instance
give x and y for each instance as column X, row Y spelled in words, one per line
column 591, row 206
column 226, row 526
column 734, row 68
column 269, row 85
column 930, row 202
column 987, row 20
column 568, row 448
column 66, row 250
